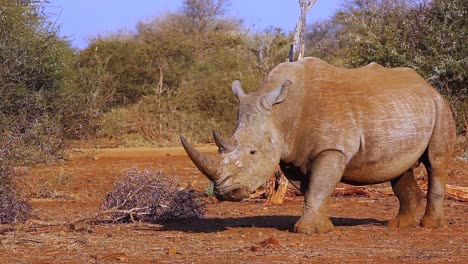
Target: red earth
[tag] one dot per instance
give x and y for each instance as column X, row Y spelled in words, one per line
column 245, row 232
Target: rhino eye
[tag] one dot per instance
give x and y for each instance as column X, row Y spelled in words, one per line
column 253, row 152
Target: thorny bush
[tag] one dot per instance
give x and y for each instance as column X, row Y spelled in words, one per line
column 149, row 196
column 13, row 207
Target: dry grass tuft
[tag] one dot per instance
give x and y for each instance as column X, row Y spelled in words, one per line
column 50, row 186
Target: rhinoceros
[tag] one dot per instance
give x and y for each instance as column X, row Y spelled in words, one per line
column 324, row 125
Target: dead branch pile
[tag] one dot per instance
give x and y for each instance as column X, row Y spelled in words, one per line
column 353, row 191
column 276, row 188
column 149, row 196
column 453, row 192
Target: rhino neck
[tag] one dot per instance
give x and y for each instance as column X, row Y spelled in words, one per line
column 285, row 119
column 286, row 116
column 284, row 135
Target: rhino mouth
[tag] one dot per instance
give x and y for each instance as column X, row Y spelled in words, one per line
column 234, row 192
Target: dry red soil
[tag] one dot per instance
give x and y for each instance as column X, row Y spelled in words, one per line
column 246, row 232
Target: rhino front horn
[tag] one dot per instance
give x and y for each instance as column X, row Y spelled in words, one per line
column 223, row 144
column 206, row 164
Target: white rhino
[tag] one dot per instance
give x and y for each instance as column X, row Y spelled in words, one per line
column 324, row 125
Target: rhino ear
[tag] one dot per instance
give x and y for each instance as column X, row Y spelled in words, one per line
column 278, row 95
column 237, row 89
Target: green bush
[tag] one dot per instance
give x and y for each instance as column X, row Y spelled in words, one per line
column 37, row 111
column 175, row 79
column 35, row 75
column 31, row 77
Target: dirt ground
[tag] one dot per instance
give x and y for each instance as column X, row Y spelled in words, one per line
column 246, row 232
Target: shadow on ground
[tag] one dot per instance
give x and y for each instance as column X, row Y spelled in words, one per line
column 279, row 222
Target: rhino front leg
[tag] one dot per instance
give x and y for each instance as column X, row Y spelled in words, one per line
column 325, row 173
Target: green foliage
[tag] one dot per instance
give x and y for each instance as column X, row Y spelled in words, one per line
column 173, row 76
column 29, row 48
column 34, row 71
column 37, row 113
column 210, row 190
column 31, row 76
column 30, row 66
column 429, row 36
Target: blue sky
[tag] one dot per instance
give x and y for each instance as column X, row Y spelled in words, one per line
column 83, row 19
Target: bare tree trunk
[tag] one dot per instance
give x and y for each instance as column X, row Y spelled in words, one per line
column 161, row 79
column 277, row 187
column 298, row 45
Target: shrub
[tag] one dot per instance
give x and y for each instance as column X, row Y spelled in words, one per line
column 13, row 208
column 150, row 196
column 172, row 75
column 35, row 72
column 37, row 111
column 32, row 61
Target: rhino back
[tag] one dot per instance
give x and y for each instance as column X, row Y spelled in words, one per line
column 381, row 119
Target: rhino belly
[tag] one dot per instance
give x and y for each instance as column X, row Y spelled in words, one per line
column 383, row 164
column 378, row 172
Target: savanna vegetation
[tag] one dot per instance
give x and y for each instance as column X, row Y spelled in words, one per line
column 171, row 75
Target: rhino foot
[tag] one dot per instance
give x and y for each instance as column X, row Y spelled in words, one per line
column 313, row 225
column 433, row 222
column 403, row 221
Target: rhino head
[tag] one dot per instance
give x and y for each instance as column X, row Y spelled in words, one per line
column 249, row 157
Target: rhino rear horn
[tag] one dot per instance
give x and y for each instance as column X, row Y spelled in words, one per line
column 224, row 145
column 206, row 164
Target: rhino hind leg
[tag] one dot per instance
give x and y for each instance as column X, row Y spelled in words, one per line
column 436, row 160
column 434, row 214
column 409, row 195
column 325, row 173
column 437, row 176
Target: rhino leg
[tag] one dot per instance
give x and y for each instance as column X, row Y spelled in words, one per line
column 436, row 160
column 437, row 175
column 409, row 195
column 325, row 173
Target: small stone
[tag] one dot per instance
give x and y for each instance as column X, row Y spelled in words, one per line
column 271, row 242
column 172, row 251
